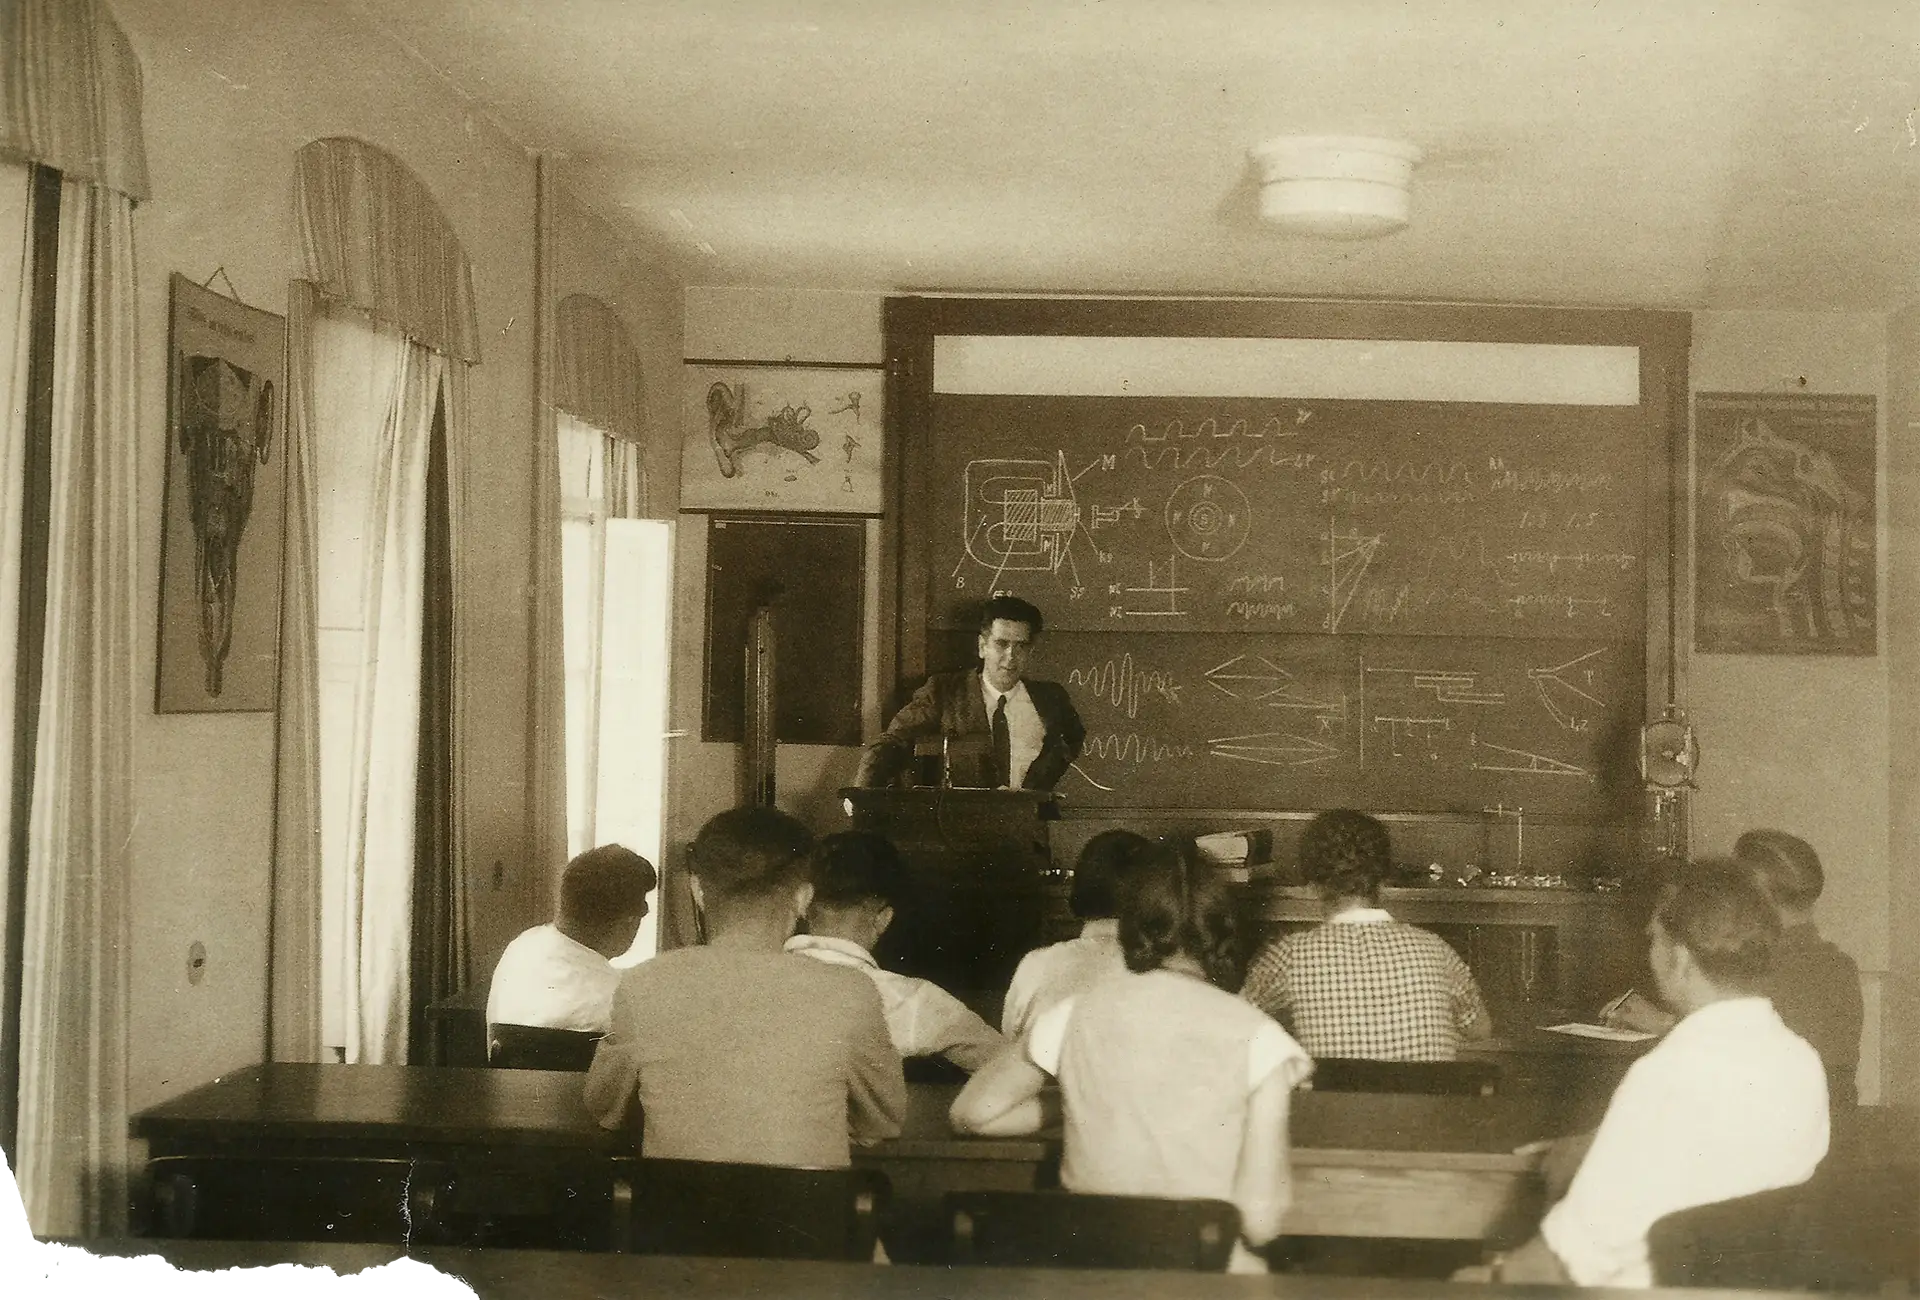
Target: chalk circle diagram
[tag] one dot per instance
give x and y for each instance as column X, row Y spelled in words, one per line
column 1208, row 518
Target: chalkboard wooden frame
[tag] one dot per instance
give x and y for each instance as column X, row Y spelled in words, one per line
column 913, row 323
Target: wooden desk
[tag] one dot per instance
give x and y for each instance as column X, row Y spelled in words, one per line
column 381, row 1152
column 543, row 1275
column 344, row 1108
column 1578, row 1074
column 1364, row 1164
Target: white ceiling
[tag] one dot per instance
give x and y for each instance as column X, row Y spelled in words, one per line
column 1673, row 153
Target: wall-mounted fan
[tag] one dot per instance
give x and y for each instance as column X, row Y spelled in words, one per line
column 1669, row 761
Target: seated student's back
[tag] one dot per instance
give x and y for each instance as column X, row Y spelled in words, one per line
column 1170, row 1085
column 735, row 1050
column 1814, row 986
column 1363, row 984
column 857, row 882
column 1060, row 970
column 559, row 975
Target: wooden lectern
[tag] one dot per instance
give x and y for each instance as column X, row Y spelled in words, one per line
column 979, row 877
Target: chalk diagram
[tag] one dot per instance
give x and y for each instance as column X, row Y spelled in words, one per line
column 1417, row 711
column 1158, row 597
column 1208, row 518
column 1020, row 515
column 1255, row 679
column 1561, row 694
column 1504, row 758
column 1348, row 555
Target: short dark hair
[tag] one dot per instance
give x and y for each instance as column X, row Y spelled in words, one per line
column 1346, row 853
column 857, row 867
column 750, row 852
column 1094, row 871
column 605, row 884
column 1169, row 903
column 1014, row 610
column 1785, row 865
column 1721, row 916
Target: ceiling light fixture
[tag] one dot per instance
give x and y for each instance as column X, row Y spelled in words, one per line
column 1335, row 186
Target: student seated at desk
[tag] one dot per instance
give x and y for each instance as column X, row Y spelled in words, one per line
column 1813, row 985
column 1363, row 984
column 1061, row 970
column 1170, row 1085
column 857, row 879
column 737, row 1050
column 558, row 976
column 1730, row 1103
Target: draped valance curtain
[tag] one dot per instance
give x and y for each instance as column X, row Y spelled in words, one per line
column 70, row 93
column 70, row 137
column 380, row 333
column 371, row 236
column 596, row 370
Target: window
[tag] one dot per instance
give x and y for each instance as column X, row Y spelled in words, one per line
column 616, row 593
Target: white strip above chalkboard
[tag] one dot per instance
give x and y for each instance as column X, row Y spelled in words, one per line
column 1327, row 369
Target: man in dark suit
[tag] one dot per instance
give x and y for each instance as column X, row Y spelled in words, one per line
column 1021, row 734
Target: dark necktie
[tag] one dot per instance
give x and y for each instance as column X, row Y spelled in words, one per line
column 1002, row 773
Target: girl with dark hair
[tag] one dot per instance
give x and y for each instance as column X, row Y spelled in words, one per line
column 1170, row 1085
column 1363, row 984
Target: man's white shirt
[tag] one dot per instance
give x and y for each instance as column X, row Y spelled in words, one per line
column 1730, row 1103
column 549, row 981
column 923, row 1019
column 1026, row 734
column 1060, row 970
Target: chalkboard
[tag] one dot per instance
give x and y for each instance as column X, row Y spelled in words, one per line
column 1161, row 514
column 1409, row 723
column 1275, row 578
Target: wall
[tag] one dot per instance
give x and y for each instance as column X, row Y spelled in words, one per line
column 741, row 324
column 1900, row 1053
column 1801, row 742
column 232, row 90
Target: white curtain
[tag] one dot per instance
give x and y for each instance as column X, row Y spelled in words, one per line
column 600, row 479
column 16, row 299
column 72, row 1139
column 372, row 393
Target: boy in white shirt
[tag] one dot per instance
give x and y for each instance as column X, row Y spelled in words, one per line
column 857, row 879
column 1730, row 1103
column 559, row 975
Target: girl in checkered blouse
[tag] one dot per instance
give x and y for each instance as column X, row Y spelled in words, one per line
column 1171, row 1086
column 1363, row 984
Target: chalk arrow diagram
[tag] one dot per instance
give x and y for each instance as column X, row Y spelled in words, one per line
column 1248, row 677
column 1274, row 749
column 1256, row 679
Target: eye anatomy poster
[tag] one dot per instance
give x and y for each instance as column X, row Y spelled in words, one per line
column 779, row 437
column 1785, row 541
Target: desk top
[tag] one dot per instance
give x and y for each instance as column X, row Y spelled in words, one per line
column 539, row 1275
column 416, row 1104
column 302, row 1101
column 1328, row 1128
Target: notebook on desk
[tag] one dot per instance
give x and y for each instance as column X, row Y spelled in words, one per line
column 1578, row 1029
